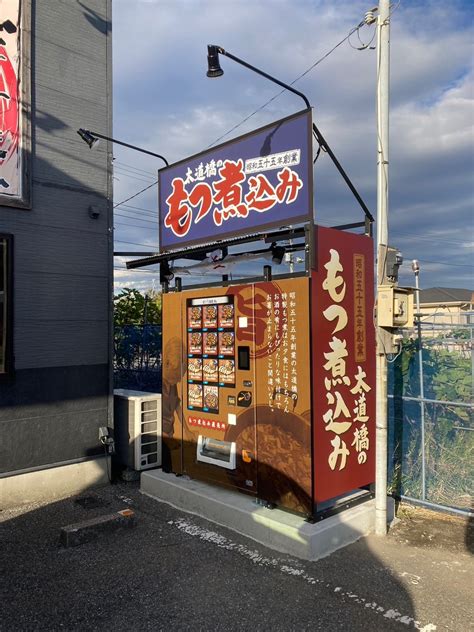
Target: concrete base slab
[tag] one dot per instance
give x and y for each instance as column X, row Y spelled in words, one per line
column 274, row 528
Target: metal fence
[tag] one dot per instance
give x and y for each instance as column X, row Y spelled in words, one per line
column 138, row 357
column 431, row 438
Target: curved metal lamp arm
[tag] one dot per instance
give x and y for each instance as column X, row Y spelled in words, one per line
column 219, row 49
column 119, row 142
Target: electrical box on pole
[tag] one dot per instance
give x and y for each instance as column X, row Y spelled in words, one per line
column 395, row 306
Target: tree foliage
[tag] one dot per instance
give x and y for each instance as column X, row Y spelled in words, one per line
column 131, row 307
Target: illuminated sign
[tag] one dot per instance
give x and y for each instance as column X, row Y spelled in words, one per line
column 257, row 181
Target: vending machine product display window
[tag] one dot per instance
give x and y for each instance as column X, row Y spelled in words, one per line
column 210, row 351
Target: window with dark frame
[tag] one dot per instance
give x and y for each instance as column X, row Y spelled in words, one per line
column 5, row 304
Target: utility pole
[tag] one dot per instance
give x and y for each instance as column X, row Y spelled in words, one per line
column 383, row 81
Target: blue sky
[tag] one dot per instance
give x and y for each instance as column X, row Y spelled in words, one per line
column 164, row 102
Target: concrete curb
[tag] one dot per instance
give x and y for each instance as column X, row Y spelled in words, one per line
column 81, row 532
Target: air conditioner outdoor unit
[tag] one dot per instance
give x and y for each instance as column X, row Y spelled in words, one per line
column 137, row 428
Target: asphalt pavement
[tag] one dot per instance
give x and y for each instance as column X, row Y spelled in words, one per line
column 175, row 571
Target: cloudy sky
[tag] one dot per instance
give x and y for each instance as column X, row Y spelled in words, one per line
column 164, row 102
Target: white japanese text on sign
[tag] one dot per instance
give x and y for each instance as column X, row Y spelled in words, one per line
column 347, row 407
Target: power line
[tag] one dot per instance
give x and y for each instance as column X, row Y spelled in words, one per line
column 150, row 216
column 138, row 174
column 133, row 243
column 136, row 194
column 131, row 225
column 138, row 208
column 133, row 176
column 132, row 167
column 445, row 263
column 137, row 219
column 433, row 239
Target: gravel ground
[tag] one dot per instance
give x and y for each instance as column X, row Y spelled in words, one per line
column 175, row 571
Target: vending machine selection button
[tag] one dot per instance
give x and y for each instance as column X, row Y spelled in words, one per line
column 247, row 384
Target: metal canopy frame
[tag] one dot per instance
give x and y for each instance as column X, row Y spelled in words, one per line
column 300, row 238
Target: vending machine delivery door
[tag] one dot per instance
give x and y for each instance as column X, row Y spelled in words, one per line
column 221, row 453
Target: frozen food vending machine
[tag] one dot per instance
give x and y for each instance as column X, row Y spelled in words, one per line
column 269, row 387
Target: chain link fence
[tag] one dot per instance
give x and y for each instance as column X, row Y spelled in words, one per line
column 431, row 429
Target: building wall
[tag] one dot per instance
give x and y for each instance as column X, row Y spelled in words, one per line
column 453, row 314
column 61, row 391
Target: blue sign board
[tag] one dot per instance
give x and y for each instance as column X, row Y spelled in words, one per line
column 261, row 180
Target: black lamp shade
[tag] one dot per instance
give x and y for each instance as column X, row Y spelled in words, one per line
column 278, row 252
column 88, row 138
column 213, row 66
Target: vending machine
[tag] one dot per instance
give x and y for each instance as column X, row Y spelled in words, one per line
column 269, row 387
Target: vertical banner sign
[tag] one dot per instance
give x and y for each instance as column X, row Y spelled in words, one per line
column 14, row 98
column 256, row 181
column 344, row 364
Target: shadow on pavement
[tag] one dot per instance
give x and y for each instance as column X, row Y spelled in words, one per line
column 177, row 571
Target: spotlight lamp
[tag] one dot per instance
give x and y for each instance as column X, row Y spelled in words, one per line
column 213, row 66
column 278, row 252
column 166, row 275
column 88, row 137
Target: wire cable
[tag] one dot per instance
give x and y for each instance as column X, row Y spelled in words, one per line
column 133, row 176
column 149, row 215
column 136, row 194
column 134, row 243
column 138, row 208
column 132, row 167
column 137, row 219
